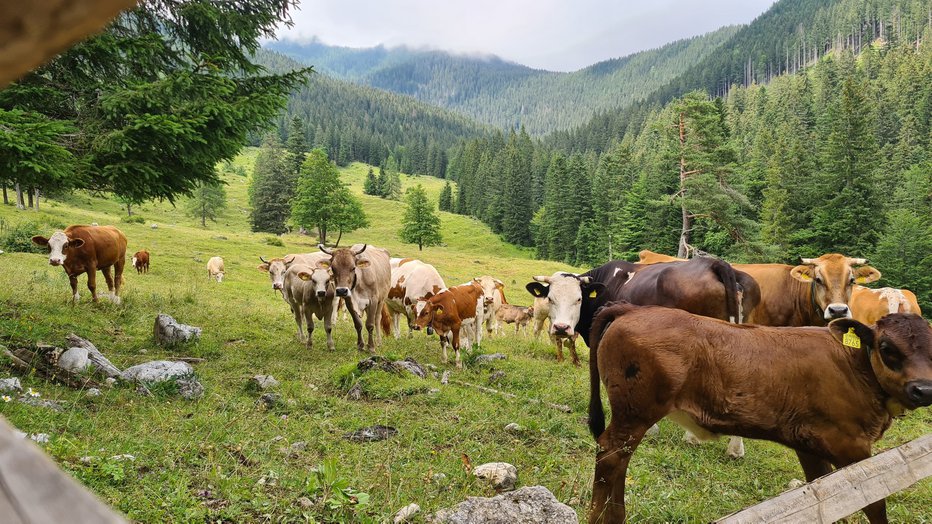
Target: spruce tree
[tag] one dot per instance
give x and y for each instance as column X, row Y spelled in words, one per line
column 392, row 191
column 206, row 202
column 445, row 202
column 296, row 145
column 420, row 224
column 371, row 185
column 271, row 189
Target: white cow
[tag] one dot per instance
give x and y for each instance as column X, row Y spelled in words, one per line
column 215, row 268
column 493, row 290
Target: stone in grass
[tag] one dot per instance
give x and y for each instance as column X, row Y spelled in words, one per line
column 74, row 360
column 157, row 372
column 371, row 434
column 528, row 505
column 514, row 427
column 406, row 513
column 10, row 385
column 169, row 332
column 501, row 475
column 269, row 400
column 485, row 359
column 41, row 403
column 93, row 392
column 408, row 364
column 262, row 382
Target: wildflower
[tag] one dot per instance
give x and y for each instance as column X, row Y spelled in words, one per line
column 32, row 393
column 7, row 398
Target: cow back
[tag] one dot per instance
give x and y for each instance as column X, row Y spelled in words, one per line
column 373, row 281
column 103, row 245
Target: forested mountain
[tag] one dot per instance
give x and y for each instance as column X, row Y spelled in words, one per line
column 360, row 123
column 505, row 94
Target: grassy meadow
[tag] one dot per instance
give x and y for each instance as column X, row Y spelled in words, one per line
column 228, row 458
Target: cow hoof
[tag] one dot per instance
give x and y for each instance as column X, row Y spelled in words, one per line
column 689, row 438
column 735, row 448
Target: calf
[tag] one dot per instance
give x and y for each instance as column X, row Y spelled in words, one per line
column 452, row 311
column 520, row 316
column 309, row 291
column 215, row 269
column 493, row 290
column 827, row 393
column 141, row 261
column 413, row 282
column 869, row 305
column 87, row 249
column 276, row 267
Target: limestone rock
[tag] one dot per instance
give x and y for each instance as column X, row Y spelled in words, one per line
column 9, row 385
column 74, row 360
column 263, row 382
column 501, row 475
column 169, row 332
column 157, row 371
column 528, row 505
column 485, row 359
column 371, row 434
column 405, row 513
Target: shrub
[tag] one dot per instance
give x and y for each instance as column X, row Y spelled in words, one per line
column 274, row 241
column 18, row 238
column 135, row 219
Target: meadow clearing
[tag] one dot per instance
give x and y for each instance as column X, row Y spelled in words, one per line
column 227, row 458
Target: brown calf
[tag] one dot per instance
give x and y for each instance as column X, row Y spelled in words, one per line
column 827, row 393
column 520, row 316
column 869, row 305
column 141, row 261
column 87, row 249
column 451, row 311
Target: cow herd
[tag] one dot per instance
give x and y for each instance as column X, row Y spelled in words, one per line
column 800, row 355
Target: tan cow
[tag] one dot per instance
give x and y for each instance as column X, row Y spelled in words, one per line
column 520, row 316
column 413, row 283
column 309, row 291
column 215, row 269
column 87, row 249
column 493, row 290
column 870, row 305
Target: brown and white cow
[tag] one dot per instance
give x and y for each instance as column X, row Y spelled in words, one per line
column 87, row 249
column 869, row 305
column 362, row 275
column 413, row 282
column 215, row 269
column 141, row 261
column 454, row 313
column 493, row 290
column 520, row 316
column 827, row 393
column 310, row 291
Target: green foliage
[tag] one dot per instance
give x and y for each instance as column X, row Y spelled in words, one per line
column 206, row 202
column 17, row 238
column 274, row 241
column 371, row 185
column 327, row 485
column 420, row 224
column 321, row 201
column 271, row 189
column 33, row 150
column 135, row 219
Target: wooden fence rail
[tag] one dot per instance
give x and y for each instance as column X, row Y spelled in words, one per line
column 844, row 492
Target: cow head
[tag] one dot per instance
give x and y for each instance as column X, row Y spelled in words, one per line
column 276, row 269
column 832, row 277
column 900, row 350
column 59, row 246
column 490, row 286
column 319, row 279
column 219, row 276
column 565, row 294
column 343, row 262
column 431, row 310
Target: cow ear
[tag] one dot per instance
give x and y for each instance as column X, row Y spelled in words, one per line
column 593, row 290
column 803, row 273
column 40, row 240
column 304, row 275
column 866, row 274
column 323, row 264
column 537, row 289
column 75, row 243
column 362, row 263
column 852, row 333
column 263, row 267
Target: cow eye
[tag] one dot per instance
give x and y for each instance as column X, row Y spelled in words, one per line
column 579, row 300
column 891, row 356
column 818, row 280
column 550, row 299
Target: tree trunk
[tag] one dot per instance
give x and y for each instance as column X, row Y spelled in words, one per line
column 6, row 198
column 129, row 209
column 37, row 200
column 683, row 251
column 420, row 246
column 322, row 234
column 29, row 197
column 19, row 197
column 203, row 219
column 339, row 236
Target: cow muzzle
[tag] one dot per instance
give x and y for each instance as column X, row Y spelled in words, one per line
column 321, row 294
column 919, row 392
column 55, row 262
column 833, row 311
column 276, row 286
column 562, row 330
column 342, row 291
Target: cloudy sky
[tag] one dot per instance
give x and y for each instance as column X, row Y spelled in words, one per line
column 561, row 35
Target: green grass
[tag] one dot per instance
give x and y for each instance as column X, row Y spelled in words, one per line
column 220, row 458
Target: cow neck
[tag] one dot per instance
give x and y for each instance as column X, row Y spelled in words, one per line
column 814, row 308
column 861, row 361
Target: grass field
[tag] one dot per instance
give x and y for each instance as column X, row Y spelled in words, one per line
column 220, row 459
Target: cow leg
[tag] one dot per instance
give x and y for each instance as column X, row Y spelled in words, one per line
column 108, row 276
column 813, row 466
column 443, row 345
column 92, row 283
column 571, row 342
column 118, row 277
column 851, row 453
column 357, row 323
column 617, row 444
column 74, row 288
column 735, row 447
column 330, row 316
column 299, row 320
column 396, row 325
column 456, row 346
column 373, row 313
column 309, row 320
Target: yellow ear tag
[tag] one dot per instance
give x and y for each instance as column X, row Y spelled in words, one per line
column 593, row 294
column 439, row 311
column 851, row 340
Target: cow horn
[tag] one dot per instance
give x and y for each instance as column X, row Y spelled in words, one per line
column 857, row 261
column 585, row 280
column 364, row 246
column 325, row 250
column 809, row 261
column 541, row 278
column 264, row 261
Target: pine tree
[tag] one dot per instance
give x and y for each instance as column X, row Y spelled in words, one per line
column 320, row 198
column 392, row 191
column 420, row 224
column 206, row 202
column 33, row 153
column 296, row 146
column 271, row 189
column 445, row 202
column 371, row 185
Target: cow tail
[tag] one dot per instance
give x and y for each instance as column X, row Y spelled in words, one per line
column 726, row 274
column 386, row 320
column 603, row 320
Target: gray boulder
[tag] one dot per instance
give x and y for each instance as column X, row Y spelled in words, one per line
column 528, row 505
column 263, row 382
column 9, row 385
column 157, row 371
column 501, row 475
column 74, row 360
column 168, row 331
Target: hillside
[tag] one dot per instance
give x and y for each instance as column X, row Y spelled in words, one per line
column 504, row 94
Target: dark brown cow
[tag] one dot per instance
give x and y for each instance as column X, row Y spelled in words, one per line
column 87, row 249
column 141, row 261
column 451, row 311
column 827, row 393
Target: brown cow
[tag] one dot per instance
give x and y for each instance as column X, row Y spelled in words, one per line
column 141, row 261
column 828, row 393
column 520, row 316
column 309, row 292
column 87, row 249
column 361, row 274
column 450, row 312
column 869, row 305
column 413, row 282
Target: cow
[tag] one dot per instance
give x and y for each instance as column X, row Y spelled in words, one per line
column 86, row 249
column 540, row 316
column 215, row 269
column 869, row 305
column 493, row 290
column 809, row 294
column 452, row 313
column 518, row 315
column 310, row 291
column 828, row 393
column 413, row 283
column 141, row 261
column 276, row 267
column 362, row 275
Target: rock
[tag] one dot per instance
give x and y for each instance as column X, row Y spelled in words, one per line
column 439, row 478
column 297, row 447
column 169, row 332
column 305, row 502
column 445, row 379
column 86, row 459
column 371, row 434
column 408, row 365
column 496, row 377
column 40, row 438
column 190, row 388
column 41, row 403
column 411, row 366
column 528, row 505
column 652, row 431
column 154, row 226
column 501, row 475
column 355, row 392
column 514, row 427
column 124, row 456
column 485, row 359
column 94, row 223
column 263, row 382
column 93, row 392
column 404, row 514
column 157, row 371
column 96, row 359
column 795, row 483
column 10, row 385
column 269, row 400
column 74, row 360
column 143, row 391
column 433, row 391
column 110, row 381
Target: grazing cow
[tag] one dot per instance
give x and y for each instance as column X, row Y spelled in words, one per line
column 869, row 305
column 413, row 282
column 310, row 291
column 454, row 312
column 520, row 316
column 215, row 269
column 827, row 393
column 540, row 316
column 141, row 261
column 493, row 290
column 809, row 294
column 362, row 274
column 87, row 249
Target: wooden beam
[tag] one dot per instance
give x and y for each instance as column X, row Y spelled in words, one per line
column 33, row 489
column 847, row 490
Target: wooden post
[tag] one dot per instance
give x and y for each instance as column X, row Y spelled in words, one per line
column 847, row 490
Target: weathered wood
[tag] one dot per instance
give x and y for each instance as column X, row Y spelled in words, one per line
column 45, row 360
column 33, row 489
column 846, row 491
column 558, row 407
column 97, row 358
